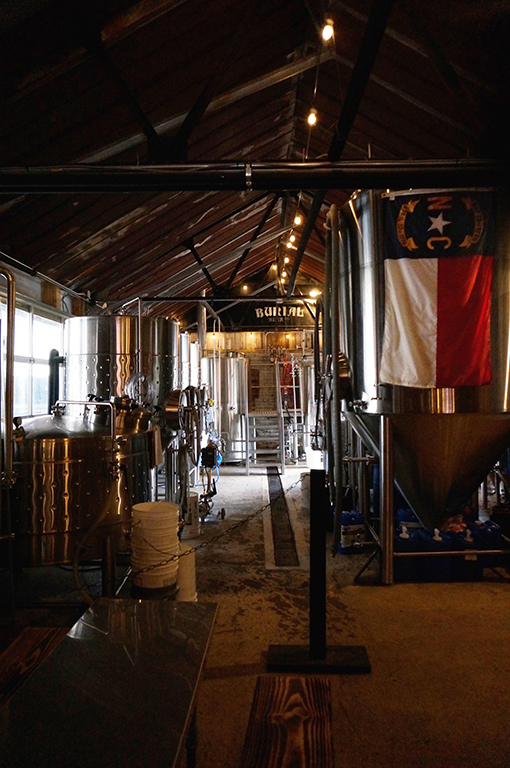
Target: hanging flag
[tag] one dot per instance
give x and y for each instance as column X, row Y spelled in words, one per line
column 438, row 260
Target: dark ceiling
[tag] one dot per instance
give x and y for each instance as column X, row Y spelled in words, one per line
column 183, row 82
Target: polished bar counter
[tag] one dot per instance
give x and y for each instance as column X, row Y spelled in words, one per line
column 119, row 690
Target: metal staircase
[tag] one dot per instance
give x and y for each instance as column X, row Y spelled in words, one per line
column 266, row 438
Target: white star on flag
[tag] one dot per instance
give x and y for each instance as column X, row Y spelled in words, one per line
column 438, row 223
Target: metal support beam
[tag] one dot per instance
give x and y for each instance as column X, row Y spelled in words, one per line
column 216, row 299
column 257, row 232
column 305, row 236
column 178, row 148
column 94, row 44
column 387, row 511
column 250, row 297
column 220, row 102
column 374, row 32
column 190, row 245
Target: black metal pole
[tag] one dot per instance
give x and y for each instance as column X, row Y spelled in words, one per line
column 316, row 657
column 108, row 568
column 55, row 361
column 318, row 515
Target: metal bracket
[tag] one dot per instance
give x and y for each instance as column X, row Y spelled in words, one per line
column 247, row 171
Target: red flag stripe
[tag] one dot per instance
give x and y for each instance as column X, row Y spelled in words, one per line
column 463, row 321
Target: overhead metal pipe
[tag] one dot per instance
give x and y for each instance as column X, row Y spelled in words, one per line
column 202, row 325
column 235, row 176
column 216, row 299
column 12, row 262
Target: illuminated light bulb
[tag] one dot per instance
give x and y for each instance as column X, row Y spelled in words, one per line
column 286, row 260
column 327, row 30
column 312, row 117
column 314, row 293
column 289, row 244
column 282, row 279
column 287, row 335
column 284, row 274
column 274, row 266
column 297, row 219
column 292, row 238
column 251, row 335
column 245, row 287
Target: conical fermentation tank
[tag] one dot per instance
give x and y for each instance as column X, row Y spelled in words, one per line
column 448, row 432
column 308, row 398
column 227, row 382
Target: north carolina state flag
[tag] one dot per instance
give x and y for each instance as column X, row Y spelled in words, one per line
column 438, row 259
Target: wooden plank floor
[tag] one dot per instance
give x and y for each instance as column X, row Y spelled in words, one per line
column 290, row 724
column 23, row 655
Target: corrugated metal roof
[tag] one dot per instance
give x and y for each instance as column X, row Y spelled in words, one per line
column 81, row 82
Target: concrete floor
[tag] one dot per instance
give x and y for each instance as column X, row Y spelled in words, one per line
column 440, row 653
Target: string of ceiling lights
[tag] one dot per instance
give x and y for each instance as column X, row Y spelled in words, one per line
column 328, row 36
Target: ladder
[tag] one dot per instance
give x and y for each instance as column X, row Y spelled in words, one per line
column 266, row 438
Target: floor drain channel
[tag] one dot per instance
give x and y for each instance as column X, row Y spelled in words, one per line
column 285, row 553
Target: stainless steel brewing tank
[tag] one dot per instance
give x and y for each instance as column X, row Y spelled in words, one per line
column 227, row 379
column 102, row 356
column 308, row 398
column 194, row 364
column 64, row 480
column 184, row 378
column 445, row 440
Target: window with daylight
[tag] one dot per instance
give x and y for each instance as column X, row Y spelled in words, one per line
column 36, row 333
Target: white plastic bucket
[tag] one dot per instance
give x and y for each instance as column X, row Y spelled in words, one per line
column 305, row 490
column 186, row 576
column 191, row 528
column 154, row 540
